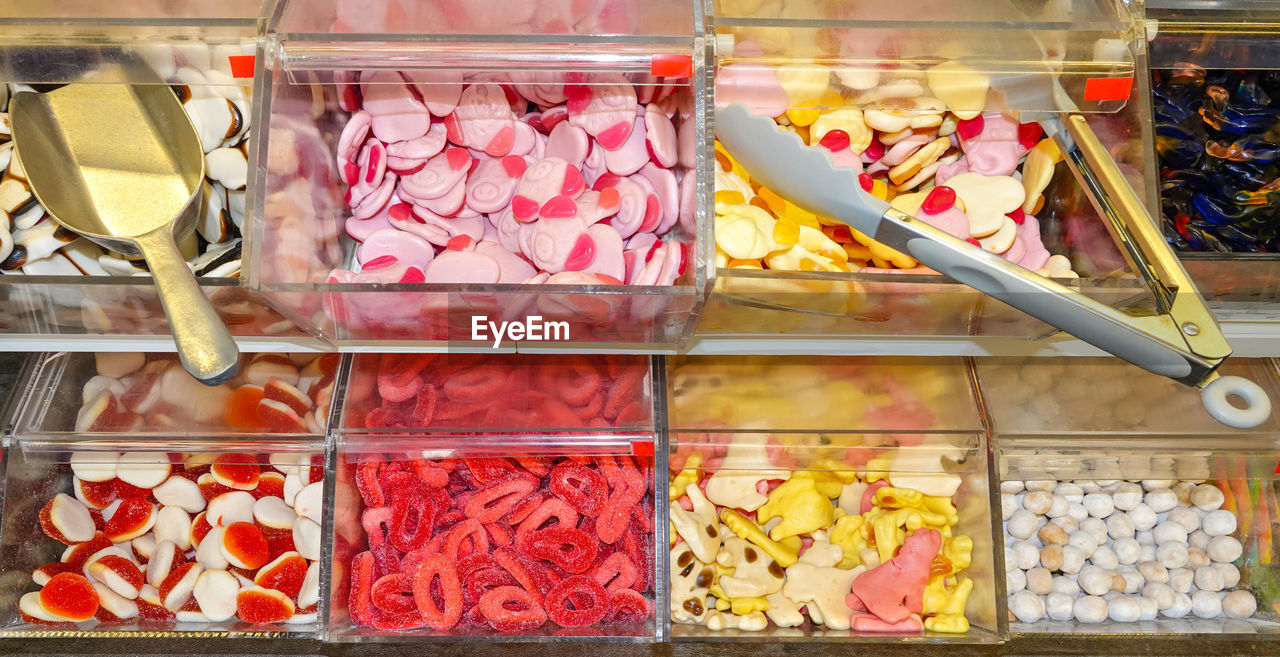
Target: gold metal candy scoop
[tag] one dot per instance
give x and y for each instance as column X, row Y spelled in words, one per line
column 121, row 164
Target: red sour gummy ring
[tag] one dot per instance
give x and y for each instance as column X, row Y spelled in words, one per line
column 487, row 471
column 617, row 571
column 496, row 500
column 467, row 529
column 564, row 514
column 477, row 383
column 570, row 548
column 361, row 600
column 432, row 476
column 629, row 606
column 393, row 594
column 431, row 569
column 496, row 605
column 411, row 521
column 573, row 378
column 581, row 487
column 571, row 591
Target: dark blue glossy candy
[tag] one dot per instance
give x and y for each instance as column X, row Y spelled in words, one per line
column 1217, row 134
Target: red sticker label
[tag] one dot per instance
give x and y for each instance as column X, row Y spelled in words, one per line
column 641, row 448
column 241, row 66
column 671, row 66
column 1097, row 89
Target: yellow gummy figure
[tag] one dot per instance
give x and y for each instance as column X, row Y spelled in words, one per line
column 785, row 552
column 899, row 498
column 950, row 615
column 848, row 535
column 687, row 476
column 942, row 506
column 802, row 508
column 744, row 606
column 826, row 482
column 959, row 550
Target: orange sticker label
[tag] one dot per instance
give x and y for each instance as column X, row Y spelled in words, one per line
column 671, row 66
column 1098, row 89
column 241, row 66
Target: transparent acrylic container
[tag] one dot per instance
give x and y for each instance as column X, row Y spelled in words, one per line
column 854, row 49
column 315, row 50
column 207, row 53
column 1092, row 421
column 522, row 435
column 841, row 422
column 1239, row 36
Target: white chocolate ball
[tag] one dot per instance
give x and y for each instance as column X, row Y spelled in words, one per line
column 1133, row 580
column 1037, row 502
column 1028, row 607
column 1152, row 571
column 1148, row 552
column 1207, row 498
column 1224, row 549
column 1172, row 555
column 1143, row 517
column 1124, row 609
column 1011, row 486
column 1156, row 484
column 1051, row 557
column 1059, row 606
column 1230, row 574
column 1096, row 528
column 1181, row 579
column 1090, row 609
column 1070, row 522
column 1127, row 550
column 1159, row 592
column 1085, row 541
column 1239, row 604
column 1181, row 606
column 1039, row 581
column 1067, row 585
column 1025, row 555
column 1060, row 507
column 1072, row 560
column 1094, row 580
column 1008, row 504
column 1014, row 580
column 1088, row 486
column 1022, row 524
column 1071, row 492
column 1190, row 520
column 1145, row 537
column 1150, row 609
column 1198, row 539
column 1105, row 557
column 1209, row 578
column 1218, row 523
column 1099, row 505
column 1197, row 558
column 1120, row 525
column 1169, row 532
column 1161, row 500
column 1126, row 496
column 1206, row 604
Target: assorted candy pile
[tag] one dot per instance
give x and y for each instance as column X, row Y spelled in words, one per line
column 396, row 391
column 848, row 548
column 522, row 178
column 1217, row 143
column 509, row 544
column 1092, row 550
column 219, row 106
column 929, row 149
column 273, row 393
column 163, row 538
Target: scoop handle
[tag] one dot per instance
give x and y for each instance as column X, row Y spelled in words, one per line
column 205, row 346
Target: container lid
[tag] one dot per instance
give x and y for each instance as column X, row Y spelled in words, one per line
column 969, row 54
column 618, row 36
column 62, row 41
column 1231, row 34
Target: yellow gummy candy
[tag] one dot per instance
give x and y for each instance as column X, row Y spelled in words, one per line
column 786, row 233
column 730, row 197
column 786, row 553
column 687, row 476
column 959, row 550
column 744, row 606
column 802, row 508
column 803, row 116
column 847, row 534
column 898, row 498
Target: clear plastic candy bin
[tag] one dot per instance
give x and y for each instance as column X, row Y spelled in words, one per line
column 138, row 501
column 834, row 499
column 408, row 186
column 1127, row 510
column 56, row 283
column 497, row 498
column 915, row 94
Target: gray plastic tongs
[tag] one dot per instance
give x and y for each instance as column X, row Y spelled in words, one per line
column 1182, row 341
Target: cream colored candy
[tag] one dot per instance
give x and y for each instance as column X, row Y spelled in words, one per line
column 744, row 232
column 851, row 121
column 900, row 88
column 688, row 598
column 745, row 465
column 824, row 588
column 987, row 199
column 963, row 89
column 804, row 82
column 783, row 611
column 699, row 527
column 752, row 622
column 751, row 576
column 859, row 79
column 925, row 157
column 1037, row 171
column 1002, row 239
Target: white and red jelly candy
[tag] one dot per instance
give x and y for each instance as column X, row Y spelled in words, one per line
column 205, row 538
